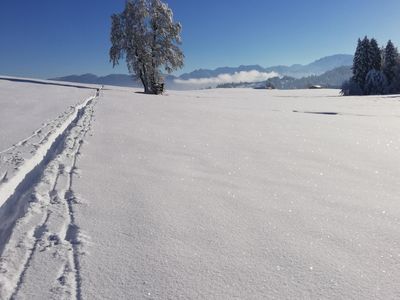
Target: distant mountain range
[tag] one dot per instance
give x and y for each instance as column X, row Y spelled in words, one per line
column 295, row 71
column 331, row 79
column 317, row 67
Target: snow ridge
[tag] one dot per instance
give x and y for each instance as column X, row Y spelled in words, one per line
column 41, row 243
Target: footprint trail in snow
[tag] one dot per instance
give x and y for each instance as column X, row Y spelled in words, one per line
column 41, row 241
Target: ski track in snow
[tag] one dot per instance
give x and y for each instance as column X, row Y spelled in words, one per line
column 40, row 242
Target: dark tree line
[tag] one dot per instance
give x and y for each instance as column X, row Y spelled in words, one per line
column 376, row 71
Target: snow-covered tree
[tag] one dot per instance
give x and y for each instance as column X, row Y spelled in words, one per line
column 375, row 83
column 390, row 63
column 146, row 35
column 375, row 71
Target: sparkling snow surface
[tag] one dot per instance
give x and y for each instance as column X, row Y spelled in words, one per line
column 229, row 194
column 214, row 194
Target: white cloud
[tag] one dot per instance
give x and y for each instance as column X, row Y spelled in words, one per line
column 238, row 77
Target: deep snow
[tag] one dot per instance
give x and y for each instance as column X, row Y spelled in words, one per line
column 216, row 194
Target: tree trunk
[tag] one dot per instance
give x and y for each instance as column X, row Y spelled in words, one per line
column 147, row 86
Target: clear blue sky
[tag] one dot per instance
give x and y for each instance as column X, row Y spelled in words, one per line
column 49, row 38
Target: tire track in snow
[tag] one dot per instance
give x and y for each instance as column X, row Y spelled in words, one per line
column 37, row 244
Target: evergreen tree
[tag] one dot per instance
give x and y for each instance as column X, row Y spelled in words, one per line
column 375, row 83
column 394, row 87
column 389, row 66
column 376, row 71
column 382, row 49
column 375, row 56
column 362, row 62
column 358, row 73
column 366, row 63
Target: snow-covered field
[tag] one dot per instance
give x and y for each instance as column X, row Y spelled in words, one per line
column 25, row 107
column 216, row 194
